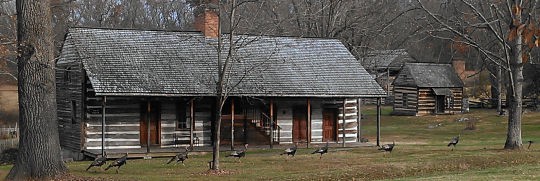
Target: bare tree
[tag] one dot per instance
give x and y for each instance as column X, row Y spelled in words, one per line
column 39, row 146
column 512, row 28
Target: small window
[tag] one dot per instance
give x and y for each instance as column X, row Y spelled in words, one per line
column 405, row 100
column 73, row 112
column 449, row 102
column 67, row 75
column 182, row 117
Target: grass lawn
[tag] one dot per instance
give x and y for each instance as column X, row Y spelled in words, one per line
column 420, row 154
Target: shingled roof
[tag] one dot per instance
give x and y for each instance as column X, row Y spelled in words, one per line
column 432, row 75
column 165, row 63
column 386, row 59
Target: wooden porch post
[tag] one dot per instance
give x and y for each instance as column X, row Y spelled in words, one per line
column 358, row 120
column 192, row 123
column 308, row 122
column 271, row 123
column 232, row 123
column 343, row 123
column 148, row 117
column 379, row 121
column 103, row 101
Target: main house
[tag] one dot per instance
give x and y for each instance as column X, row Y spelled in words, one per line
column 427, row 88
column 144, row 91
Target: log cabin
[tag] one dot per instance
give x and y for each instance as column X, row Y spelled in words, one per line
column 147, row 91
column 384, row 65
column 427, row 88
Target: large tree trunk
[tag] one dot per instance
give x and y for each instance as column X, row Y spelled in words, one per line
column 515, row 107
column 39, row 146
column 514, row 95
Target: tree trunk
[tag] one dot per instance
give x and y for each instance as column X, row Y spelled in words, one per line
column 515, row 107
column 39, row 146
column 217, row 133
column 514, row 94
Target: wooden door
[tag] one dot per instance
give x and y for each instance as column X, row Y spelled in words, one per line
column 439, row 107
column 299, row 124
column 329, row 124
column 152, row 111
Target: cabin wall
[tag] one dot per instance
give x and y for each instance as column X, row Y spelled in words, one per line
column 69, row 95
column 349, row 123
column 122, row 121
column 426, row 101
column 408, row 94
column 285, row 118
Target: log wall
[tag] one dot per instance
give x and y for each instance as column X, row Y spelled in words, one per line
column 69, row 94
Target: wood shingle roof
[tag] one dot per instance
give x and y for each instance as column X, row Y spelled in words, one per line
column 165, row 63
column 431, row 75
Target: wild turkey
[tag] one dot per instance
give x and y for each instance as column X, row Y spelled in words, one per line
column 118, row 163
column 290, row 151
column 530, row 143
column 99, row 161
column 322, row 150
column 180, row 157
column 454, row 142
column 239, row 154
column 388, row 147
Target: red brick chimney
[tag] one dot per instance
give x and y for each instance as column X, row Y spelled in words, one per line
column 459, row 67
column 207, row 20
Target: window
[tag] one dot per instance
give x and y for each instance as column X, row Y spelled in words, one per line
column 405, row 100
column 67, row 75
column 449, row 102
column 73, row 112
column 183, row 119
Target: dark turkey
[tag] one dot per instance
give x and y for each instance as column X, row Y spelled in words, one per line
column 453, row 142
column 98, row 162
column 321, row 151
column 290, row 151
column 118, row 163
column 239, row 154
column 180, row 157
column 388, row 147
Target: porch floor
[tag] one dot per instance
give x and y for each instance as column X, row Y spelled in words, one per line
column 158, row 152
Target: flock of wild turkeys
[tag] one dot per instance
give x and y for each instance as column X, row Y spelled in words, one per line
column 183, row 156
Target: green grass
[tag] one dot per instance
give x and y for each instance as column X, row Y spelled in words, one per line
column 420, row 154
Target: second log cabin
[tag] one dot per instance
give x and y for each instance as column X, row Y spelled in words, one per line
column 427, row 88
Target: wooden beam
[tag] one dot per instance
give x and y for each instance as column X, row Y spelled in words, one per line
column 358, row 120
column 192, row 123
column 103, row 106
column 379, row 121
column 148, row 117
column 308, row 122
column 343, row 123
column 232, row 123
column 271, row 123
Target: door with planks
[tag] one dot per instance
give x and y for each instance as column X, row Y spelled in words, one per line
column 152, row 111
column 299, row 131
column 329, row 124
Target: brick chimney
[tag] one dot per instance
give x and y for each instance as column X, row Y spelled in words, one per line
column 459, row 67
column 207, row 20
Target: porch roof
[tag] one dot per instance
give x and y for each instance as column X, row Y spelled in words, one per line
column 165, row 63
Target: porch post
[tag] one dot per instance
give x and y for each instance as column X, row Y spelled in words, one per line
column 271, row 123
column 192, row 123
column 103, row 101
column 232, row 123
column 343, row 123
column 358, row 120
column 308, row 122
column 378, row 121
column 148, row 117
